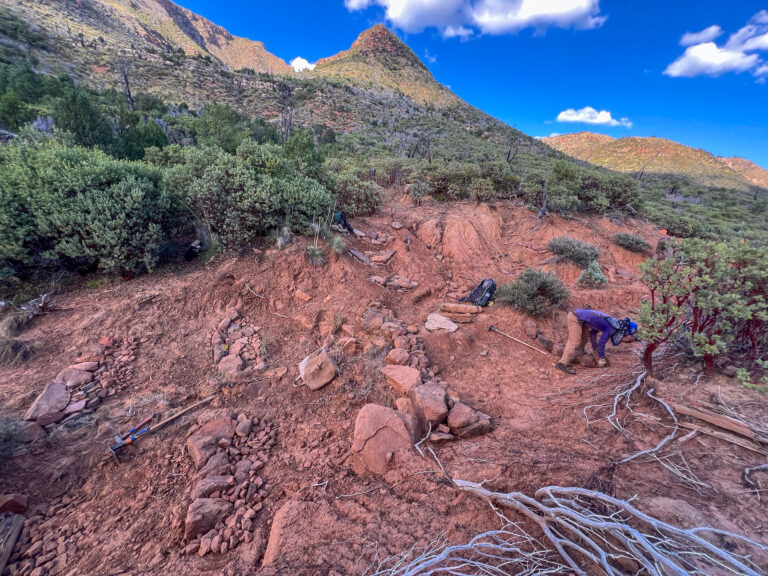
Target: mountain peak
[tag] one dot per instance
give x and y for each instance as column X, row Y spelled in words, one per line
column 379, row 57
column 380, row 45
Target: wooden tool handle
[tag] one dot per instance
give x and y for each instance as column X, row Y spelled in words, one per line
column 181, row 413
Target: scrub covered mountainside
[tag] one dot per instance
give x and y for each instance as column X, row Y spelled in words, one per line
column 661, row 156
column 375, row 108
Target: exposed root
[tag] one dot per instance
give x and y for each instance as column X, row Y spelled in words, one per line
column 665, row 440
column 597, row 534
column 497, row 553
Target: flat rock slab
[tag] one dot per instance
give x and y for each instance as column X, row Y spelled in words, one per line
column 401, row 378
column 379, row 433
column 440, row 322
column 74, row 377
column 54, row 398
column 230, row 364
column 85, row 366
column 211, row 484
column 460, row 308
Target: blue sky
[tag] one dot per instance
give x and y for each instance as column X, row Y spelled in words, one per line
column 692, row 71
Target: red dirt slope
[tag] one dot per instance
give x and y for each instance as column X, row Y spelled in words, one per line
column 316, row 516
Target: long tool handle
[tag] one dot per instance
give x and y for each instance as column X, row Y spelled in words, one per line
column 539, row 350
column 181, row 413
column 146, row 420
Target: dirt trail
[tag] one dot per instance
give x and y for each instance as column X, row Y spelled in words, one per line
column 95, row 517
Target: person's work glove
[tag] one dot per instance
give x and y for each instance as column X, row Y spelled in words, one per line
column 602, row 363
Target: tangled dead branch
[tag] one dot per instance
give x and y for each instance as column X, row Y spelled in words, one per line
column 495, row 553
column 597, row 534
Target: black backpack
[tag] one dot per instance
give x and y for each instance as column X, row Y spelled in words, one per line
column 481, row 295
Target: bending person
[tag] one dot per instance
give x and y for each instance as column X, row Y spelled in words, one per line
column 585, row 324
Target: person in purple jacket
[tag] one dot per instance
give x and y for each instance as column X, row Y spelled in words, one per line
column 585, row 324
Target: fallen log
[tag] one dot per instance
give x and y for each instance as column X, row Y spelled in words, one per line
column 721, row 421
column 732, row 439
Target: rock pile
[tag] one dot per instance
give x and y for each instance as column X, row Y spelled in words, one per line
column 227, row 491
column 81, row 387
column 422, row 406
column 237, row 346
column 408, row 345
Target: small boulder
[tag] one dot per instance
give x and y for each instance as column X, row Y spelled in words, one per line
column 200, row 449
column 587, row 361
column 242, row 470
column 438, row 437
column 244, row 427
column 379, row 433
column 401, row 378
column 230, row 364
column 317, row 369
column 210, row 484
column 54, row 398
column 429, row 404
column 398, row 357
column 461, row 416
column 217, row 465
column 481, row 426
column 203, row 514
column 531, row 329
column 13, row 503
column 440, row 322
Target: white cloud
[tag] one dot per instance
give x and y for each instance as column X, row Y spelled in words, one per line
column 463, row 18
column 301, row 64
column 709, row 59
column 741, row 52
column 461, row 32
column 706, row 35
column 503, row 16
column 431, row 58
column 589, row 115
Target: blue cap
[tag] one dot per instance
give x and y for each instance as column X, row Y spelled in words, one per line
column 632, row 327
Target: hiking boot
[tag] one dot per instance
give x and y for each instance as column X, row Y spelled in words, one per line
column 565, row 368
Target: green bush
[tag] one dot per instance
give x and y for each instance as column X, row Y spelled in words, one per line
column 418, row 191
column 79, row 208
column 358, row 197
column 77, row 113
column 535, row 292
column 246, row 195
column 572, row 250
column 632, row 242
column 592, row 276
column 482, row 190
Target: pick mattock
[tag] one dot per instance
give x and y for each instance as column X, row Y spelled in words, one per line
column 494, row 329
column 134, row 434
